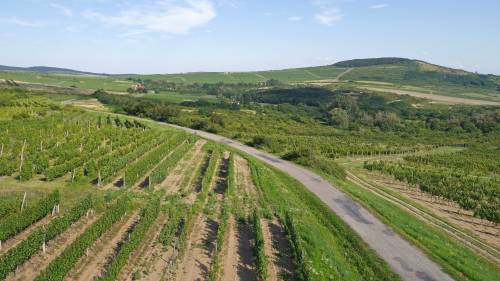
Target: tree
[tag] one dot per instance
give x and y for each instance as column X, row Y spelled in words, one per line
column 387, row 120
column 338, row 117
column 273, row 83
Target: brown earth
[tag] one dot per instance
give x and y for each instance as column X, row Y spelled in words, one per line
column 277, row 250
column 201, row 245
column 434, row 97
column 150, row 260
column 229, row 257
column 145, row 249
column 196, row 263
column 14, row 241
column 39, row 261
column 91, row 266
column 175, row 177
column 144, row 181
column 237, row 257
column 244, row 175
column 189, row 185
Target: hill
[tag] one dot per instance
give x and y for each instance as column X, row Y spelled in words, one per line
column 396, row 75
column 49, row 70
column 371, row 62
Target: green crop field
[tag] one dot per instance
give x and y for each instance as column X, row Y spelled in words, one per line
column 67, row 80
column 402, row 74
column 287, row 75
column 296, row 125
column 74, row 182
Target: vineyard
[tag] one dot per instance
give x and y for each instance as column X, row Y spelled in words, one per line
column 99, row 196
column 477, row 189
column 94, row 196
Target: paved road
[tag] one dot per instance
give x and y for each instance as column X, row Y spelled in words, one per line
column 408, row 261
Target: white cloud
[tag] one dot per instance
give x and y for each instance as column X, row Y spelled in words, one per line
column 329, row 16
column 294, row 18
column 379, row 6
column 23, row 23
column 165, row 16
column 63, row 9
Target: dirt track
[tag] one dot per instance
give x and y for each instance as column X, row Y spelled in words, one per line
column 445, row 99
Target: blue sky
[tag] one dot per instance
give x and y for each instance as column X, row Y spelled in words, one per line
column 166, row 36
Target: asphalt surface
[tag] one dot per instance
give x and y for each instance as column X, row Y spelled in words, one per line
column 405, row 259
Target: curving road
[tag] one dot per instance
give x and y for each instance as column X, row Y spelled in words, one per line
column 405, row 259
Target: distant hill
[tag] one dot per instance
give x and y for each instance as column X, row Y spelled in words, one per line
column 404, row 71
column 49, row 70
column 371, row 62
column 390, row 72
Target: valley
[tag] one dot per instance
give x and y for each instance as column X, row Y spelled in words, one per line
column 274, row 178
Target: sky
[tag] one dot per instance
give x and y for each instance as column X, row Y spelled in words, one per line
column 172, row 36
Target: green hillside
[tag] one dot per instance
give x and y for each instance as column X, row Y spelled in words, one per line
column 382, row 73
column 286, row 75
column 68, row 80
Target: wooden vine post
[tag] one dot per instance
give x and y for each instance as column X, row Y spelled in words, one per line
column 22, row 155
column 24, row 203
column 43, row 243
column 99, row 178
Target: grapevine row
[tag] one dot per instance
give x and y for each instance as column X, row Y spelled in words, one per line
column 148, row 215
column 13, row 224
column 59, row 267
column 33, row 243
column 480, row 194
column 219, row 242
column 136, row 170
column 176, row 218
column 161, row 171
column 110, row 165
column 258, row 247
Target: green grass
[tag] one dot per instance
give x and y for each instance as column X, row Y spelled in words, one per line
column 426, row 78
column 174, row 97
column 79, row 81
column 286, row 75
column 70, row 193
column 418, row 76
column 329, row 249
column 457, row 260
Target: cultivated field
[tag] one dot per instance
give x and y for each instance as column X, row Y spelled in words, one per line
column 90, row 196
